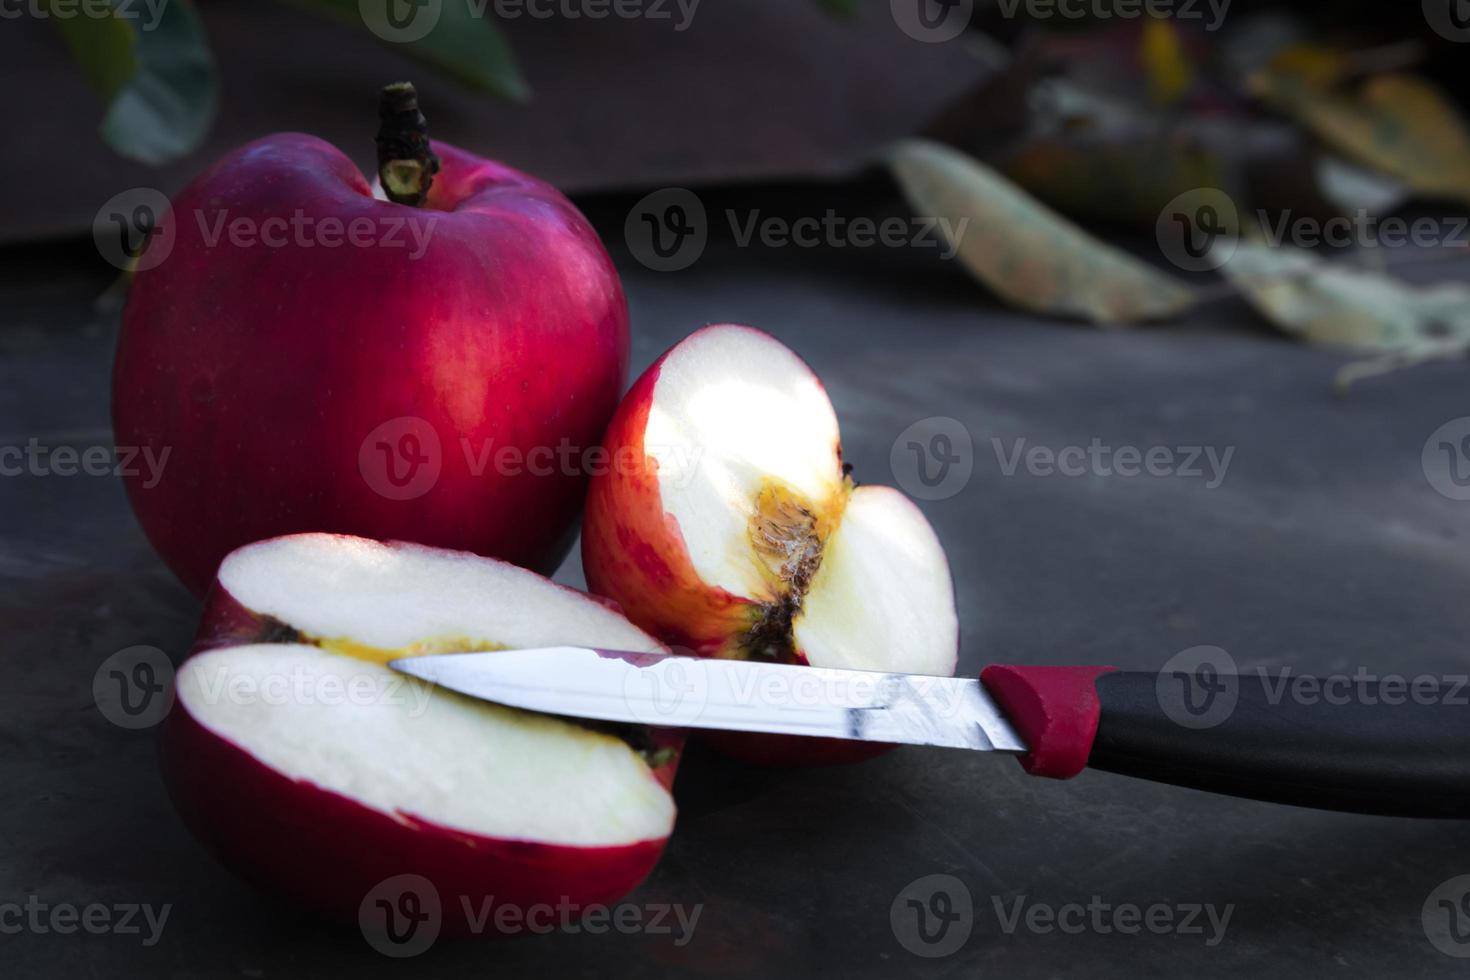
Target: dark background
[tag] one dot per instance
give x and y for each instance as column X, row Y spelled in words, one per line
column 1324, row 549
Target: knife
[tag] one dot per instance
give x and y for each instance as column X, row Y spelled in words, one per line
column 1379, row 749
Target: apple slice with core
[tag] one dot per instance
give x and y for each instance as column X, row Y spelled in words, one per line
column 741, row 534
column 314, row 769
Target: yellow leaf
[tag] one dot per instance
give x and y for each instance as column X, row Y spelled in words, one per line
column 1027, row 254
column 1399, row 124
column 1164, row 62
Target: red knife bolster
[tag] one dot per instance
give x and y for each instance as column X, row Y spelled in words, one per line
column 1056, row 711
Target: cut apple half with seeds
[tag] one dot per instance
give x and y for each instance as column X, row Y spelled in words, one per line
column 741, row 535
column 312, row 767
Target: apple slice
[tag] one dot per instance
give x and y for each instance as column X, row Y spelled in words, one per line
column 312, row 768
column 736, row 531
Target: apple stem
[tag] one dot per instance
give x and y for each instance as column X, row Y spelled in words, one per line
column 406, row 162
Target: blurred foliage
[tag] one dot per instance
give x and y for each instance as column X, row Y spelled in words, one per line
column 1117, row 121
column 471, row 48
column 160, row 86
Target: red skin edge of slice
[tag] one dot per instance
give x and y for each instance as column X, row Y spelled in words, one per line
column 327, row 851
column 1055, row 709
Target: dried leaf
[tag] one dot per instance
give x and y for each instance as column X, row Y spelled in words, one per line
column 1399, row 124
column 1164, row 62
column 1343, row 306
column 1023, row 251
column 1092, row 155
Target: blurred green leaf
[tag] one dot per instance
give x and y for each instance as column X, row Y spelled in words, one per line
column 841, row 8
column 157, row 77
column 470, row 47
column 1027, row 254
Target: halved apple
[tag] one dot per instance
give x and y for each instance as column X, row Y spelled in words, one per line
column 312, row 768
column 730, row 526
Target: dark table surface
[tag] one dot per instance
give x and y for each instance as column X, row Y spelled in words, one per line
column 1324, row 548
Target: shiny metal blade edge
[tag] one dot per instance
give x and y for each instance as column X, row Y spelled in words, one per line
column 730, row 695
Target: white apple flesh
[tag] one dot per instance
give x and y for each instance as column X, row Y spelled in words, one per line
column 740, row 535
column 312, row 768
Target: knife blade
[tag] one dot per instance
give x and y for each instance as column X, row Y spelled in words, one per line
column 732, row 695
column 1376, row 752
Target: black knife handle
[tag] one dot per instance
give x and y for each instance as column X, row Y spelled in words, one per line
column 1392, row 746
column 1361, row 745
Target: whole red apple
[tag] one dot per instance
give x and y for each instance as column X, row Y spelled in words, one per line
column 311, row 357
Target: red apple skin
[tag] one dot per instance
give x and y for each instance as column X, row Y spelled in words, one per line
column 263, row 369
column 634, row 553
column 326, row 851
